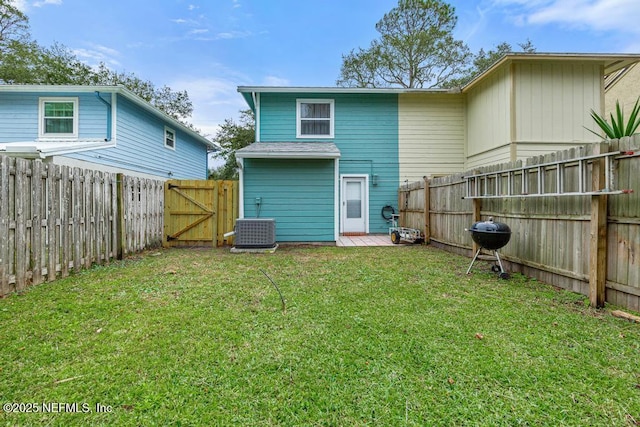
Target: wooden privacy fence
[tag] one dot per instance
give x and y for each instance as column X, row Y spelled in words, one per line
column 585, row 243
column 199, row 213
column 57, row 219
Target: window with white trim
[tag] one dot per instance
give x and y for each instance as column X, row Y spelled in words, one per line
column 58, row 118
column 314, row 118
column 169, row 138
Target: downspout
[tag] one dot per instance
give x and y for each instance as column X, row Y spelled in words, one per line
column 241, row 187
column 108, row 115
column 256, row 106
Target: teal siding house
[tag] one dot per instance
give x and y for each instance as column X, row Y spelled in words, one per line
column 105, row 128
column 325, row 161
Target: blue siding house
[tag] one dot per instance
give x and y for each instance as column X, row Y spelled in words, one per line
column 325, row 161
column 98, row 127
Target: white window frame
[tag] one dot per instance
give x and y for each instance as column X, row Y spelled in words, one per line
column 41, row 123
column 331, row 103
column 164, row 137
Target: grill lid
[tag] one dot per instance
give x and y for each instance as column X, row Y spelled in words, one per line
column 490, row 235
column 490, row 226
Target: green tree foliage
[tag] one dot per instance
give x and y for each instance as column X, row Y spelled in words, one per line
column 22, row 60
column 416, row 49
column 231, row 137
column 485, row 59
column 14, row 25
column 175, row 104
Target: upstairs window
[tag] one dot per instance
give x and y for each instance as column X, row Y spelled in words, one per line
column 59, row 117
column 169, row 138
column 315, row 118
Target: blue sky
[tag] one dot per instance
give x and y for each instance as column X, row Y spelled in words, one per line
column 209, row 47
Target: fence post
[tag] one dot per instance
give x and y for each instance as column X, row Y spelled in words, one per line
column 598, row 232
column 120, row 225
column 427, row 217
column 217, row 202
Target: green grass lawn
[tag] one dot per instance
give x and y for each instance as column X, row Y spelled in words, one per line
column 387, row 336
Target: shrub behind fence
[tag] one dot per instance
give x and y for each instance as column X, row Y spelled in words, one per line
column 57, row 219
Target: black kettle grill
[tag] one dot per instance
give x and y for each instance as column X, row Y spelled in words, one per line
column 492, row 236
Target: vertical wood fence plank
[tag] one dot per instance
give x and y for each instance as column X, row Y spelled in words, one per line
column 168, row 208
column 475, row 217
column 87, row 247
column 120, row 216
column 98, row 194
column 77, row 200
column 216, row 204
column 21, row 258
column 65, row 227
column 114, row 215
column 4, row 225
column 37, row 248
column 425, row 206
column 53, row 218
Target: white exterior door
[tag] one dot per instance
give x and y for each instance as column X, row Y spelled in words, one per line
column 354, row 204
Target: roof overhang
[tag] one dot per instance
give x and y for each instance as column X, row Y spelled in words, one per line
column 611, row 62
column 337, row 90
column 41, row 149
column 289, row 150
column 249, row 92
column 117, row 89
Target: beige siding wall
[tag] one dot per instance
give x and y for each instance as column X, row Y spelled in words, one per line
column 553, row 102
column 626, row 90
column 489, row 116
column 431, row 135
column 491, row 157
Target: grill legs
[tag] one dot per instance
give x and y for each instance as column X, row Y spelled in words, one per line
column 498, row 268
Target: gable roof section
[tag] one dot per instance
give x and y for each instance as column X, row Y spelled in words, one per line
column 289, row 150
column 117, row 89
column 612, row 62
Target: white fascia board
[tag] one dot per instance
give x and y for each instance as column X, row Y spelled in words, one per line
column 39, row 149
column 300, row 89
column 286, row 156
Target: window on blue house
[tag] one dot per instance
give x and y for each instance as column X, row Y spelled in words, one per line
column 169, row 138
column 58, row 117
column 315, row 118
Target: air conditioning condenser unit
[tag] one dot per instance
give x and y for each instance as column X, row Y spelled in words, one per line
column 255, row 233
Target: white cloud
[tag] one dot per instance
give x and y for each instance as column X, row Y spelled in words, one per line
column 233, row 35
column 275, row 81
column 47, row 2
column 193, row 7
column 20, row 4
column 214, row 100
column 96, row 53
column 598, row 15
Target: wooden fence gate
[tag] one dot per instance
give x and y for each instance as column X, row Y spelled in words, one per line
column 199, row 212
